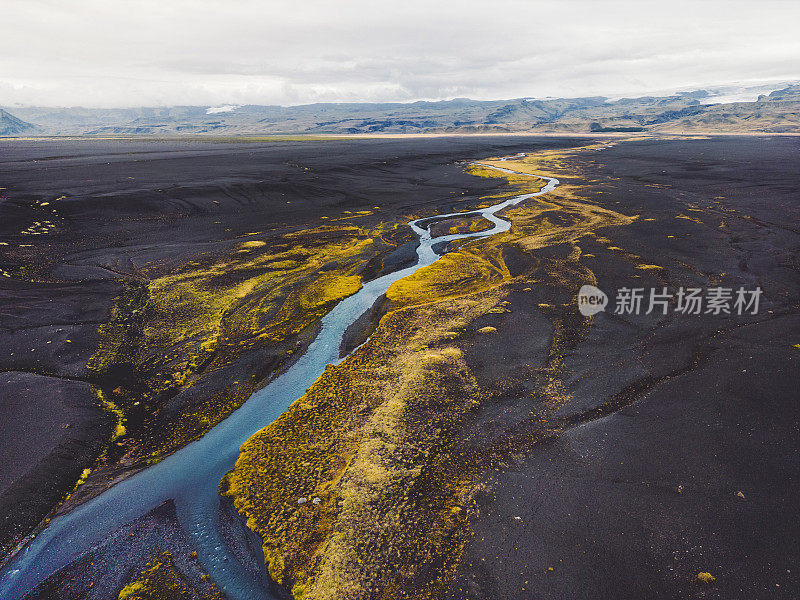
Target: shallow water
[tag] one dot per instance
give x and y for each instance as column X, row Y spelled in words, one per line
column 191, row 476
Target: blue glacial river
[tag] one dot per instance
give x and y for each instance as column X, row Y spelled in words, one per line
column 191, row 476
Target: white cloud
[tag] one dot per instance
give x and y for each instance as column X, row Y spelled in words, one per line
column 218, row 52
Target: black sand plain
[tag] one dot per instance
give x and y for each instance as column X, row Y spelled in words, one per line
column 677, row 451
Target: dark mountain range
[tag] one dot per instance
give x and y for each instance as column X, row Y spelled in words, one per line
column 778, row 112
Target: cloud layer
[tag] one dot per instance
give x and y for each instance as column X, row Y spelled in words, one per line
column 115, row 53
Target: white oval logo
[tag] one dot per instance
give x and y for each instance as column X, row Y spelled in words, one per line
column 591, row 300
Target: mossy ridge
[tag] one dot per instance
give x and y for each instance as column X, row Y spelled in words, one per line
column 370, row 440
column 454, row 274
column 160, row 580
column 165, row 333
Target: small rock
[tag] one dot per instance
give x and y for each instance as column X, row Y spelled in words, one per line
column 679, row 489
column 302, row 500
column 317, row 500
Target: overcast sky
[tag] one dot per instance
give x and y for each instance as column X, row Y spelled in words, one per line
column 112, row 53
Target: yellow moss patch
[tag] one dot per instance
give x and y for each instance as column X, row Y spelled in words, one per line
column 253, row 244
column 310, row 302
column 469, row 223
column 84, row 476
column 160, row 580
column 119, row 427
column 704, row 577
column 166, row 332
column 360, row 441
column 454, row 274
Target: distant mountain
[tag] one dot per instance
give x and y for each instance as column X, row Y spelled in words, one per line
column 692, row 111
column 11, row 125
column 778, row 112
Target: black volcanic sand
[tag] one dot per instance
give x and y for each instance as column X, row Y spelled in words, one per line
column 676, row 449
column 51, row 428
column 111, row 208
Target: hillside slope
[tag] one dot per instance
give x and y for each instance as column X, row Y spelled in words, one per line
column 11, row 125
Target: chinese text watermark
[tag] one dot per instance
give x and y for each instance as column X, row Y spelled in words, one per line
column 688, row 301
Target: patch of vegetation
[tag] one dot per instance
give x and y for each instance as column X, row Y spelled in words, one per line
column 166, row 333
column 160, row 580
column 705, row 578
column 469, row 223
column 354, row 490
column 454, row 274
